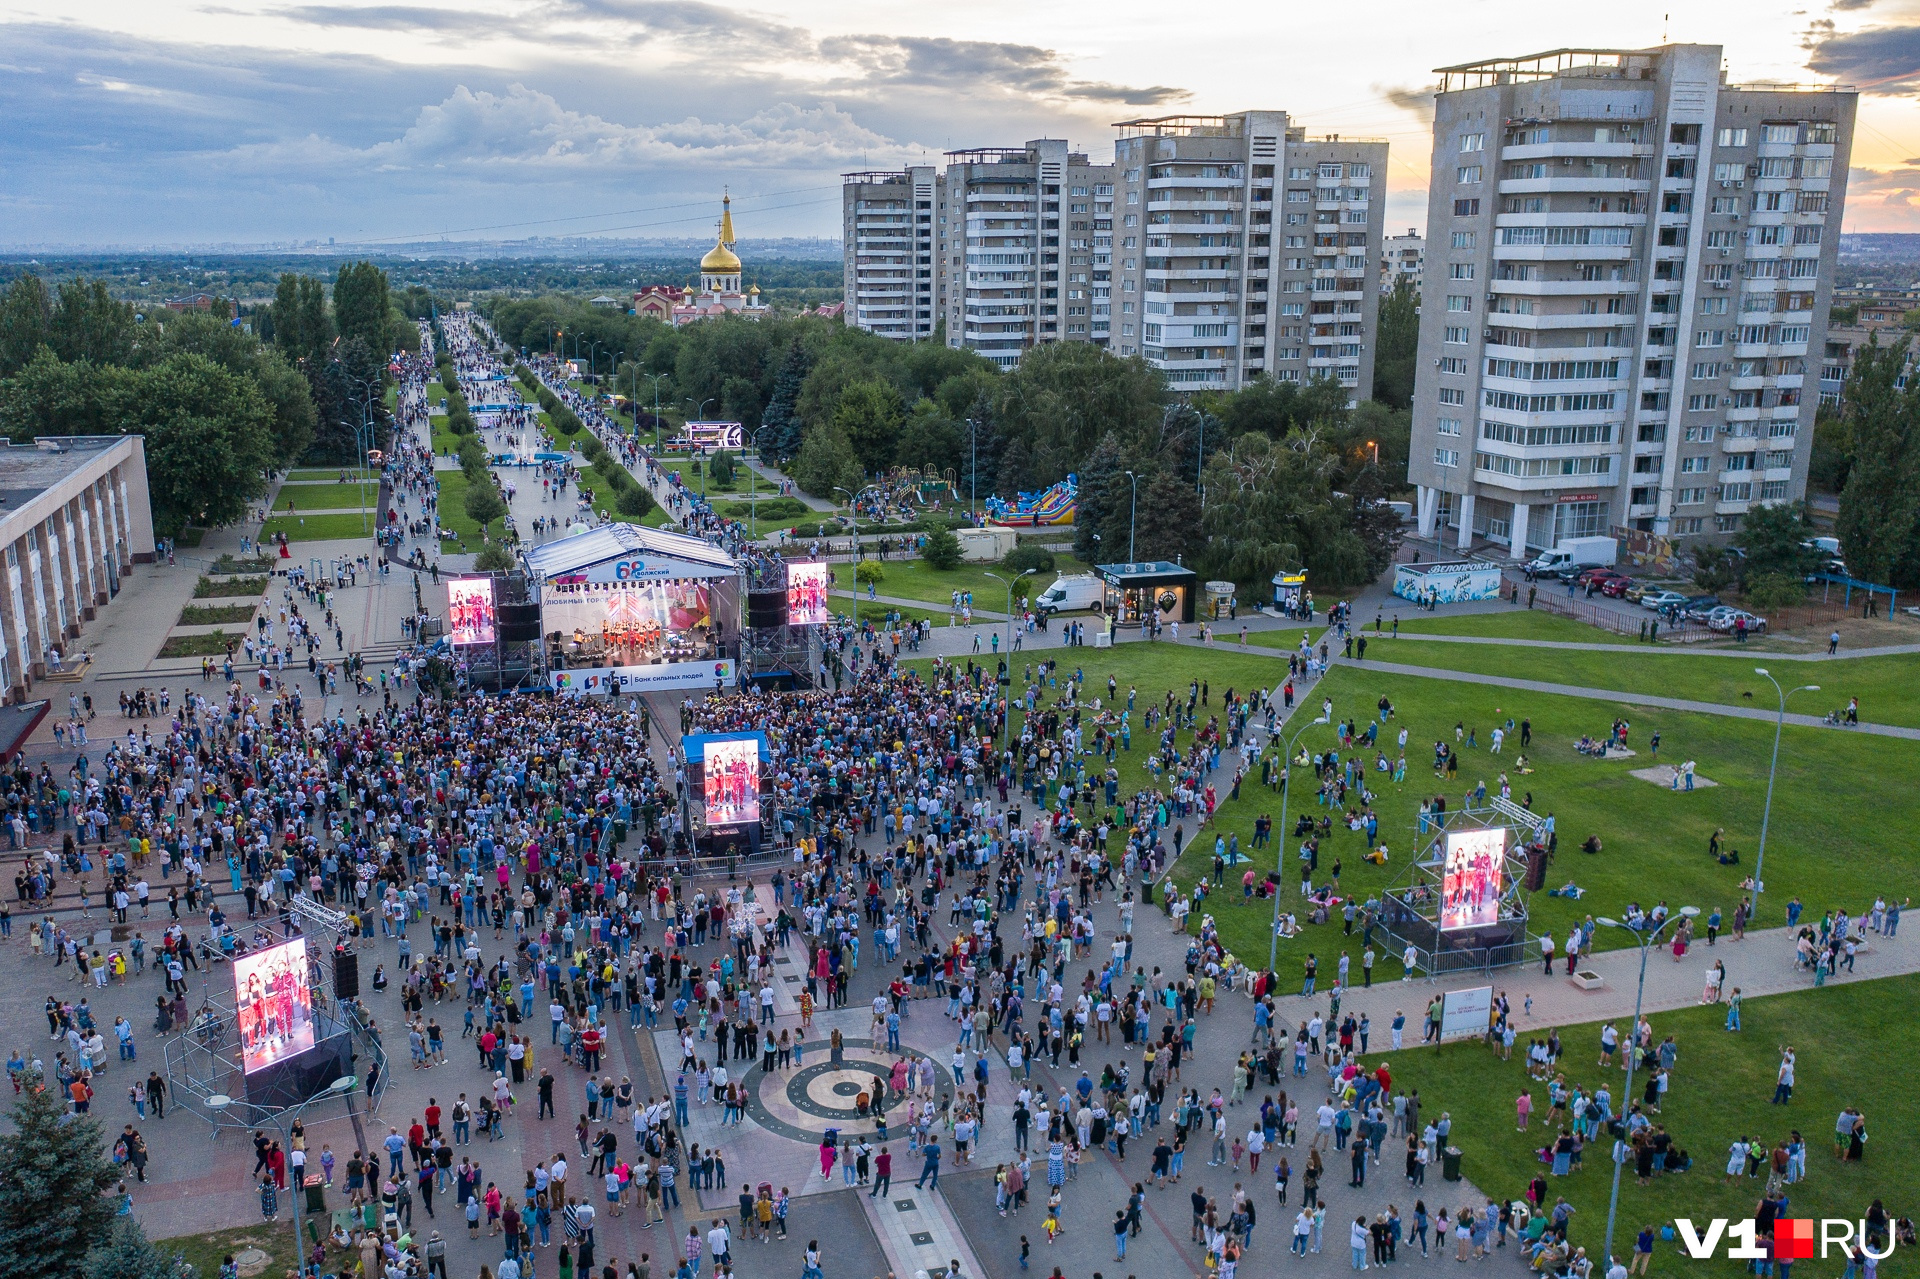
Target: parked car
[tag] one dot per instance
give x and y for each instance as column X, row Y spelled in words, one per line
column 1616, row 587
column 1659, row 600
column 1594, row 576
column 1726, row 618
column 1698, row 606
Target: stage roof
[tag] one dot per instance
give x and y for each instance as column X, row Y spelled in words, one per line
column 620, row 542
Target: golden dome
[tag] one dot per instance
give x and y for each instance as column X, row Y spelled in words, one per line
column 754, row 289
column 720, row 259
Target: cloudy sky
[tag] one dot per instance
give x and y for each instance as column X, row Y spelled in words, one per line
column 139, row 122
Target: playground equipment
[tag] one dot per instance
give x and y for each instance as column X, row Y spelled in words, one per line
column 1049, row 507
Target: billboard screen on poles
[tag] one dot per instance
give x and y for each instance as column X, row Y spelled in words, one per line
column 273, row 1004
column 807, row 586
column 731, row 782
column 1475, row 863
column 470, row 613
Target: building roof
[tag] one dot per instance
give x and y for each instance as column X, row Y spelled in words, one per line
column 721, row 259
column 618, row 541
column 1154, row 570
column 28, row 470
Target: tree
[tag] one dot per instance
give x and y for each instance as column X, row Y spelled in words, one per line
column 941, row 549
column 1880, row 506
column 1168, row 525
column 1397, row 345
column 930, row 438
column 782, row 441
column 1771, row 592
column 826, row 461
column 1101, row 505
column 90, row 324
column 302, row 329
column 1028, row 555
column 868, row 412
column 634, row 502
column 241, row 352
column 1832, row 451
column 483, row 503
column 1774, row 538
column 494, row 557
column 53, row 1179
column 209, row 441
column 1062, row 398
column 129, row 1254
column 1715, row 569
column 52, row 397
column 26, row 313
column 363, row 307
column 868, row 572
column 721, row 467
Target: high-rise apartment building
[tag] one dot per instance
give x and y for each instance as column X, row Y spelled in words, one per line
column 1245, row 247
column 1403, row 257
column 1218, row 248
column 1015, row 256
column 888, row 233
column 1628, row 273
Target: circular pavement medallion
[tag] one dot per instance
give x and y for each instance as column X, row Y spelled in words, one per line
column 802, row 1104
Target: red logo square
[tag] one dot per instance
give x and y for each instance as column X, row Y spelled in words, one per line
column 1792, row 1239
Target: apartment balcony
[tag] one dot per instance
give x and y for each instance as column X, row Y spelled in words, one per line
column 997, row 197
column 1181, row 180
column 1577, row 150
column 1562, row 252
column 1574, row 185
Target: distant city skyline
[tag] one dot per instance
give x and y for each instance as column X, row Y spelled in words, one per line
column 376, row 124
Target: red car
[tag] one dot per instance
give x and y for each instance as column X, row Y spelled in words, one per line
column 1615, row 587
column 1596, row 577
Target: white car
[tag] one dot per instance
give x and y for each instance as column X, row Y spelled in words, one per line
column 1725, row 618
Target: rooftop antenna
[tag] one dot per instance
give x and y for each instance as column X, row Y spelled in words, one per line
column 1663, row 27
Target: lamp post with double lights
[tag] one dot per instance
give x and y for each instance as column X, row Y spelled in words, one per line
column 699, row 415
column 1766, row 814
column 1647, row 938
column 1133, row 510
column 1279, row 861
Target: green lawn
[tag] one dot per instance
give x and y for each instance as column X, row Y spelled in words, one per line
column 318, row 474
column 328, row 497
column 1721, row 1090
column 657, row 517
column 1654, row 840
column 228, row 587
column 916, row 580
column 1886, row 686
column 877, row 612
column 213, row 644
column 206, row 1252
column 318, row 528
column 216, row 614
column 1518, row 623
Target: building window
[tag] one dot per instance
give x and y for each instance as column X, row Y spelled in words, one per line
column 1466, row 208
column 1446, row 457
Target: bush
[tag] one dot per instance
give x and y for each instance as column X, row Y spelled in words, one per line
column 472, row 455
column 1029, row 556
column 721, row 468
column 494, row 558
column 1771, row 592
column 868, row 572
column 634, row 503
column 591, row 448
column 942, row 550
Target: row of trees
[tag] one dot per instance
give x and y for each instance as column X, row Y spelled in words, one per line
column 221, row 404
column 1875, row 448
column 1278, row 475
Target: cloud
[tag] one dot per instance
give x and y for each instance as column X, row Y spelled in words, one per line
column 1018, row 69
column 1416, row 100
column 1883, row 60
column 523, row 134
column 1849, row 6
column 390, row 18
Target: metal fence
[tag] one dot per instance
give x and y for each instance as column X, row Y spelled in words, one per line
column 1550, row 597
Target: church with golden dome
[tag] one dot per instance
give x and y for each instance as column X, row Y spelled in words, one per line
column 720, row 293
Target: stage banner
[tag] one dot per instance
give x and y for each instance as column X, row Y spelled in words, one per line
column 606, row 680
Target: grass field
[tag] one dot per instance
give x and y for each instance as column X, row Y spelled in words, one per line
column 318, row 528
column 228, row 587
column 1519, row 623
column 206, row 1252
column 216, row 614
column 317, row 474
column 453, row 506
column 1721, row 1090
column 916, row 580
column 328, row 497
column 657, row 517
column 878, row 612
column 1885, row 686
column 1654, row 840
column 213, row 644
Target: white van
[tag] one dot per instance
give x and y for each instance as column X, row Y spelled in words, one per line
column 1069, row 593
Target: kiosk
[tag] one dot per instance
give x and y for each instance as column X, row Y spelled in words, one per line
column 1151, row 588
column 1448, row 583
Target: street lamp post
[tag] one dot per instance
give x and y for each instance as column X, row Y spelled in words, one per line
column 1766, row 814
column 1133, row 510
column 973, row 470
column 699, row 414
column 1006, row 698
column 1279, row 861
column 753, row 516
column 1646, row 938
column 655, row 379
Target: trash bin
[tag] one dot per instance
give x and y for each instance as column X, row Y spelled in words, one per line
column 317, row 1195
column 1450, row 1164
column 619, row 830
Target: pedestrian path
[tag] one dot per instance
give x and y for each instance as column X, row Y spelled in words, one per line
column 1637, row 699
column 1749, row 654
column 776, row 477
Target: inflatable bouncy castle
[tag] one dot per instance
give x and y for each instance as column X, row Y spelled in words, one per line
column 1035, row 510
